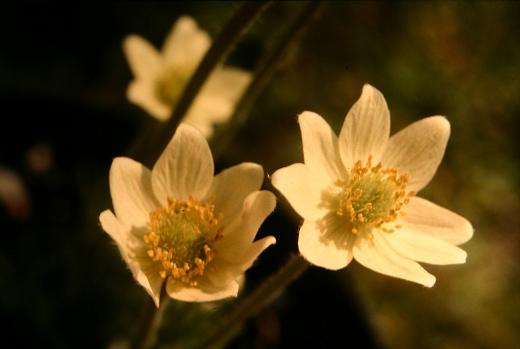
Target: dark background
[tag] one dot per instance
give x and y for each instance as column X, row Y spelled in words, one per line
column 64, row 116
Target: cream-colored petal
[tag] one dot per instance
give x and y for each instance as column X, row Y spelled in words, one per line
column 254, row 251
column 320, row 146
column 203, row 292
column 186, row 44
column 217, row 99
column 143, row 93
column 423, row 248
column 230, row 188
column 185, row 168
column 239, row 235
column 301, row 188
column 433, row 220
column 418, row 150
column 366, row 128
column 130, row 187
column 151, row 280
column 123, row 239
column 377, row 255
column 325, row 243
column 144, row 60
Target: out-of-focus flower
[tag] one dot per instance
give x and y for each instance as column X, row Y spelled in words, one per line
column 13, row 194
column 181, row 225
column 357, row 193
column 160, row 77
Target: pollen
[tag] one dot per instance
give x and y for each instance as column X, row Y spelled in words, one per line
column 372, row 196
column 180, row 239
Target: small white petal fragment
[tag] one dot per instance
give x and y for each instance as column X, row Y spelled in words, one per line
column 418, row 150
column 366, row 128
column 231, row 186
column 185, row 167
column 145, row 61
column 330, row 250
column 320, row 146
column 377, row 255
column 130, row 187
column 433, row 220
column 203, row 293
column 301, row 188
column 423, row 248
column 142, row 92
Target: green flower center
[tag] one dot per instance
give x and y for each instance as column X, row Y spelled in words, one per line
column 371, row 196
column 180, row 238
column 172, row 83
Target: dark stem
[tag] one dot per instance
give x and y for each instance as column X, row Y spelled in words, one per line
column 254, row 302
column 235, row 28
column 147, row 335
column 263, row 74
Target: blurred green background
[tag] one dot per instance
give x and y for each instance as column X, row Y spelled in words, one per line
column 64, row 114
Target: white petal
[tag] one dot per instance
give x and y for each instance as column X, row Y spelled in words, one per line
column 150, row 278
column 301, row 188
column 325, row 245
column 366, row 128
column 143, row 58
column 185, row 168
column 130, row 187
column 254, row 251
column 436, row 221
column 239, row 235
column 122, row 237
column 204, row 292
column 186, row 44
column 377, row 255
column 230, row 188
column 143, row 93
column 226, row 83
column 418, row 150
column 423, row 248
column 320, row 146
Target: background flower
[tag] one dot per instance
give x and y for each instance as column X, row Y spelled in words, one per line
column 160, row 77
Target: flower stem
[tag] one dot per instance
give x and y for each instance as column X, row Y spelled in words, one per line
column 147, row 335
column 263, row 73
column 254, row 302
column 234, row 29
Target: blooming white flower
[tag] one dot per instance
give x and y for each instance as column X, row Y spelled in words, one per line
column 356, row 193
column 160, row 77
column 180, row 225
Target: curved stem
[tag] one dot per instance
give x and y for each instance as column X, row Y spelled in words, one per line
column 254, row 302
column 147, row 335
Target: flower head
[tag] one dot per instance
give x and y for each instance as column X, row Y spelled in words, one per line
column 357, row 193
column 181, row 225
column 160, row 77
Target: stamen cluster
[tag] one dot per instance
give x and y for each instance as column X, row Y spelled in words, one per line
column 180, row 238
column 372, row 196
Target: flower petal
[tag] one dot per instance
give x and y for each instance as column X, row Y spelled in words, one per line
column 186, row 44
column 230, row 188
column 418, row 150
column 123, row 237
column 239, row 235
column 143, row 93
column 366, row 128
column 377, row 255
column 328, row 246
column 204, row 292
column 320, row 146
column 150, row 277
column 433, row 220
column 143, row 58
column 130, row 187
column 423, row 248
column 185, row 168
column 301, row 188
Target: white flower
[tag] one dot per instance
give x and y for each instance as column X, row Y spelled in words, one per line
column 160, row 77
column 357, row 193
column 180, row 225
